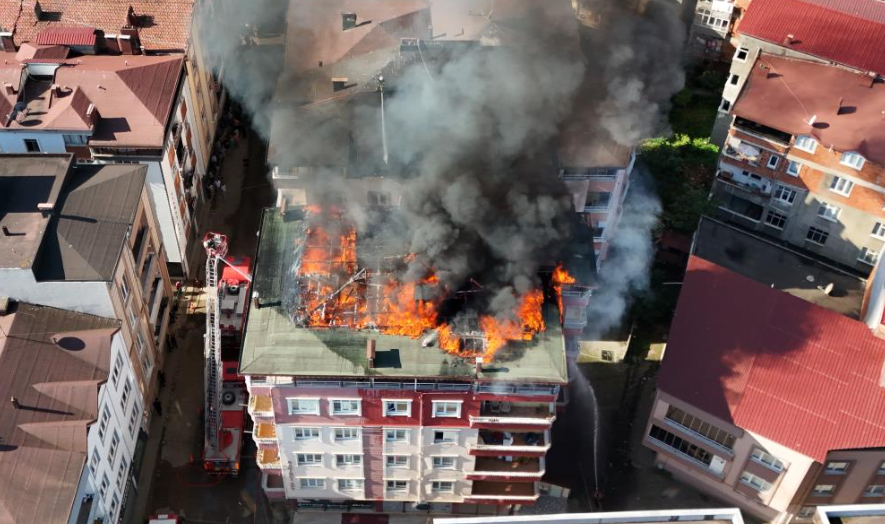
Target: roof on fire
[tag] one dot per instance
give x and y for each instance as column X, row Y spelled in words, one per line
column 274, row 346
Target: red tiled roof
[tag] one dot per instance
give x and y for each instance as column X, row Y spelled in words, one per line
column 84, row 36
column 785, row 94
column 851, row 32
column 774, row 365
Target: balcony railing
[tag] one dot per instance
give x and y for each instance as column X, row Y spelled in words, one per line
column 269, row 459
column 260, row 405
column 596, row 173
column 526, row 467
column 265, row 434
column 507, row 413
column 507, row 441
column 729, row 182
column 491, row 490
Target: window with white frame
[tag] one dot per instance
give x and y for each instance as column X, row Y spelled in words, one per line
column 755, row 482
column 397, row 408
column 793, row 168
column 829, row 212
column 124, row 397
column 836, row 467
column 124, row 288
column 146, row 363
column 115, row 501
column 734, row 80
column 118, row 368
column 103, row 487
column 805, row 143
column 878, row 231
column 806, row 512
column 446, row 408
column 817, row 236
column 96, row 459
column 308, row 459
column 443, row 462
column 852, row 160
column 303, row 406
column 103, row 423
column 442, row 486
column 397, row 485
column 823, row 490
column 741, row 54
column 445, row 436
column 312, row 483
column 121, row 473
column 347, row 433
column 881, row 468
column 773, row 161
column 306, row 433
column 348, row 460
column 345, row 406
column 767, row 459
column 139, row 342
column 397, row 461
column 115, row 444
column 775, row 219
column 874, row 490
column 785, row 194
column 725, row 105
column 396, row 435
column 868, row 256
column 133, row 419
column 350, row 484
column 75, row 140
column 841, row 186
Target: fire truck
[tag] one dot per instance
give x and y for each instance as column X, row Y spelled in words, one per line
column 227, row 291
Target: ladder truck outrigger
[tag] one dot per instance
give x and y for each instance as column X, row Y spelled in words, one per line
column 225, row 390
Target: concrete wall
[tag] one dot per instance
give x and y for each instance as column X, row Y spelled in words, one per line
column 86, row 297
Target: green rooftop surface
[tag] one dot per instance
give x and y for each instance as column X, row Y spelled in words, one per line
column 273, row 345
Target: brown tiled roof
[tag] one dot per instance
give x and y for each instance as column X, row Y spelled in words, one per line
column 68, row 36
column 43, row 443
column 161, row 24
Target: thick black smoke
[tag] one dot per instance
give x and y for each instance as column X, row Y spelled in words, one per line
column 470, row 131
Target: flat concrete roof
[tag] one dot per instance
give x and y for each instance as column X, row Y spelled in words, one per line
column 274, row 345
column 780, row 267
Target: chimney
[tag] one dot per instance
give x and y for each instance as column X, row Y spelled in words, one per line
column 256, row 302
column 92, row 115
column 370, row 352
column 788, row 40
column 9, row 89
column 6, row 42
column 339, row 84
column 38, row 11
column 45, row 208
column 4, row 306
column 111, row 43
column 15, row 403
column 126, row 45
column 348, row 21
column 478, row 365
column 6, row 232
column 284, row 203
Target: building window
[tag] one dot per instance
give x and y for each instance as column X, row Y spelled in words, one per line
column 681, row 446
column 881, row 469
column 853, row 160
column 836, row 468
column 306, row 433
column 878, row 231
column 103, row 487
column 823, row 490
column 841, row 185
column 785, row 194
column 757, row 483
column 115, row 444
column 598, row 199
column 304, row 406
column 124, row 289
column 397, row 408
column 121, row 473
column 96, row 459
column 442, row 486
column 874, row 490
column 725, row 105
column 103, row 424
column 345, row 407
column 348, row 460
column 445, row 437
column 118, row 367
column 793, row 168
column 805, row 143
column 397, row 485
column 741, row 55
column 397, row 461
column 347, row 433
column 775, row 219
column 312, row 483
column 443, row 462
column 75, row 140
column 868, row 256
column 806, row 512
column 699, row 427
column 829, row 212
column 734, row 80
column 379, row 198
column 818, row 236
column 350, row 484
column 133, row 317
column 146, row 364
column 124, row 398
column 31, row 145
column 773, row 161
column 114, row 503
column 446, row 409
column 767, row 459
column 395, row 435
column 133, row 418
column 308, row 459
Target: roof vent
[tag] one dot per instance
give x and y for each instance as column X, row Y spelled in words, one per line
column 15, row 403
column 828, row 289
column 788, row 40
column 45, row 207
column 348, row 21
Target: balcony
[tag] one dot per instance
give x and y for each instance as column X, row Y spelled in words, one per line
column 260, row 406
column 512, row 442
column 515, row 468
column 511, row 414
column 268, row 459
column 503, row 491
column 265, row 434
column 590, row 173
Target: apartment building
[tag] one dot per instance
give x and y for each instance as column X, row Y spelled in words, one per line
column 350, row 417
column 814, row 30
column 711, row 34
column 803, row 159
column 85, row 238
column 770, row 394
column 70, row 416
column 137, row 64
column 700, row 516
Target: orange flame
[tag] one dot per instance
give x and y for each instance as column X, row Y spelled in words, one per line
column 561, row 278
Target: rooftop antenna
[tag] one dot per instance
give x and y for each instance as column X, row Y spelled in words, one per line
column 383, row 126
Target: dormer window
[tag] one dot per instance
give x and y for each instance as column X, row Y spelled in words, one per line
column 805, row 143
column 852, row 160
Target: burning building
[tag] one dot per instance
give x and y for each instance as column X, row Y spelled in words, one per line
column 375, row 387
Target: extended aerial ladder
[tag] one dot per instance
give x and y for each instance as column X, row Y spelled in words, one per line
column 216, row 249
